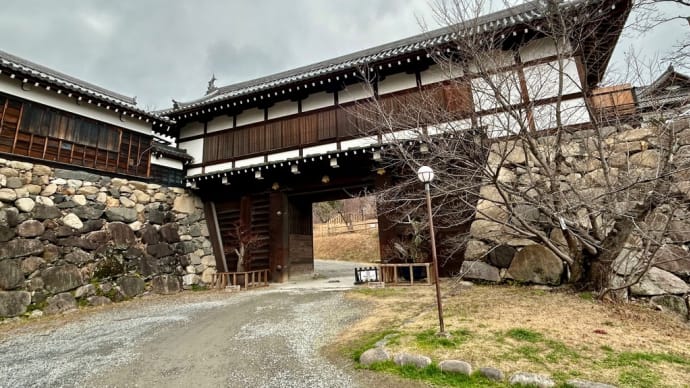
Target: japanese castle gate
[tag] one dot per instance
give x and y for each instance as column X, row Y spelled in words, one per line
column 265, row 150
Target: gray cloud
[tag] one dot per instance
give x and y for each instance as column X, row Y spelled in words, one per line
column 158, row 50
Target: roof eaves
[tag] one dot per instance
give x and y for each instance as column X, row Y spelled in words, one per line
column 64, row 81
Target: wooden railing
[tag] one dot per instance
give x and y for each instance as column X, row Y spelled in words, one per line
column 391, row 273
column 245, row 280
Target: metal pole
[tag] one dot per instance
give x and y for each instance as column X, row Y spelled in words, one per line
column 435, row 259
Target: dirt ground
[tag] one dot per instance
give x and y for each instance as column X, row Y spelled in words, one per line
column 275, row 337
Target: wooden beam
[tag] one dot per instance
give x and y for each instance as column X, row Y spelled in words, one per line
column 214, row 234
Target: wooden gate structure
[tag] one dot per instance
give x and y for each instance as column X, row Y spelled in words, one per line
column 264, row 150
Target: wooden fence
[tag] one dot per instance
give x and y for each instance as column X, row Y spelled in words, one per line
column 357, row 223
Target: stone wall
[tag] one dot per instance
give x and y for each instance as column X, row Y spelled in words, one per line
column 495, row 254
column 70, row 238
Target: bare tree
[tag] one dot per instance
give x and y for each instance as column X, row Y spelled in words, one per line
column 525, row 153
column 650, row 14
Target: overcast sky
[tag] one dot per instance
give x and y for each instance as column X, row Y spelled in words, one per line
column 161, row 49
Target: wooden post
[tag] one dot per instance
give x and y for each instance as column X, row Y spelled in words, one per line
column 278, row 230
column 214, row 233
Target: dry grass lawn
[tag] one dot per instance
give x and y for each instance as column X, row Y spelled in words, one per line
column 360, row 247
column 516, row 328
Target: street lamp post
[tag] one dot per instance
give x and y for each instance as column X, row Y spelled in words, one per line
column 426, row 175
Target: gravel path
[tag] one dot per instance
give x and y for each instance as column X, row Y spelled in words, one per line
column 266, row 338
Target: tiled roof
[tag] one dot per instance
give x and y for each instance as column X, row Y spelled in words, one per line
column 173, row 152
column 523, row 13
column 15, row 65
column 656, row 94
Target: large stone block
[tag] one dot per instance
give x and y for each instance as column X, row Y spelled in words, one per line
column 42, row 212
column 11, row 274
column 31, row 264
column 476, row 249
column 373, row 356
column 658, row 282
column 8, row 195
column 479, row 270
column 76, row 175
column 673, row 259
column 649, row 158
column 20, row 166
column 121, row 214
column 536, row 264
column 91, row 211
column 672, row 303
column 207, row 275
column 20, row 247
column 71, row 220
column 501, row 256
column 25, row 205
column 159, row 250
column 131, row 286
column 166, row 284
column 487, row 230
column 78, row 257
column 61, row 278
column 169, row 233
column 60, row 303
column 13, row 303
column 6, row 233
column 149, row 235
column 186, row 204
column 121, row 235
column 455, row 366
column 148, row 266
column 416, row 360
column 30, row 228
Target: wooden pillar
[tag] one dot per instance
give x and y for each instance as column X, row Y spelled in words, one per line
column 278, row 232
column 214, row 234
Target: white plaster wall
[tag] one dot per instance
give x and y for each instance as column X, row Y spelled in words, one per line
column 320, row 149
column 219, row 167
column 543, row 80
column 355, row 92
column 219, row 123
column 192, row 129
column 359, row 143
column 491, row 60
column 194, row 171
column 62, row 102
column 504, row 123
column 249, row 161
column 283, row 108
column 572, row 112
column 250, row 116
column 195, row 149
column 507, row 84
column 454, row 126
column 396, row 82
column 538, row 48
column 407, row 134
column 318, row 101
column 277, row 157
column 166, row 162
column 437, row 73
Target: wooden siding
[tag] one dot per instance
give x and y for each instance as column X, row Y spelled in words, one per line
column 613, row 102
column 330, row 124
column 36, row 131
